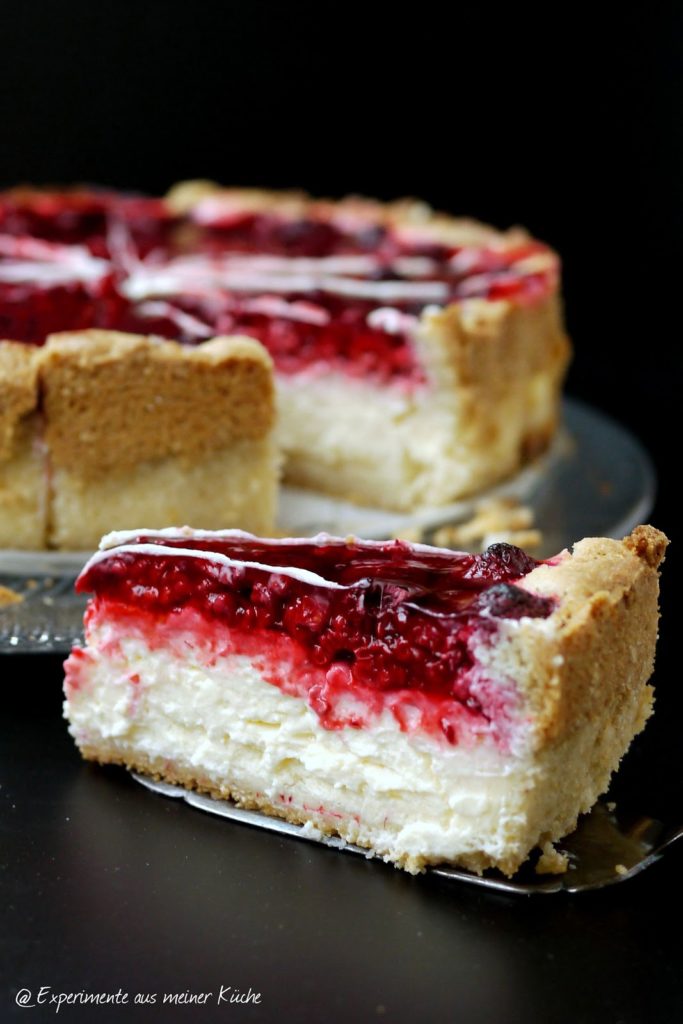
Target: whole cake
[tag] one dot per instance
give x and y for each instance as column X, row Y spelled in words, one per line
column 100, row 428
column 430, row 705
column 418, row 357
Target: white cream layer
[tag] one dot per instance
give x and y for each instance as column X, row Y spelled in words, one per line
column 411, row 796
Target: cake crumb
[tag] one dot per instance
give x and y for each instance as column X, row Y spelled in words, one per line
column 495, row 520
column 8, row 596
column 310, row 831
column 611, row 806
column 621, row 869
column 551, row 861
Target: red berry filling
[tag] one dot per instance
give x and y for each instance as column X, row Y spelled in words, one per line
column 315, row 333
column 84, row 217
column 359, row 319
column 30, row 314
column 70, row 217
column 403, row 622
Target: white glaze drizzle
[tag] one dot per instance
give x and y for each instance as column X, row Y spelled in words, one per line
column 274, row 306
column 190, row 325
column 26, row 260
column 119, row 542
column 391, row 321
column 118, row 537
column 189, row 275
column 479, row 284
column 303, row 575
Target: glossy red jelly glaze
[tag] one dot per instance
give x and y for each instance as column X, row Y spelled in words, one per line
column 84, row 217
column 70, row 216
column 345, row 343
column 403, row 620
column 126, row 229
column 30, row 313
column 254, row 233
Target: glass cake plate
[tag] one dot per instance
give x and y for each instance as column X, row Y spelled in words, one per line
column 596, row 480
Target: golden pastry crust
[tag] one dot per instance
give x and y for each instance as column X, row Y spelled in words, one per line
column 41, row 195
column 487, row 344
column 18, row 390
column 596, row 652
column 495, row 356
column 113, row 400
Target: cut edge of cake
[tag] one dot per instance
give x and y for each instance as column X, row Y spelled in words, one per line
column 103, row 429
column 492, row 405
column 23, row 490
column 494, row 370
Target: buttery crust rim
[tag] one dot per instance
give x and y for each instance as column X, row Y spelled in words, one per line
column 604, row 630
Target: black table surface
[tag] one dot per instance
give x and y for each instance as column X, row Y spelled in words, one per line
column 110, row 889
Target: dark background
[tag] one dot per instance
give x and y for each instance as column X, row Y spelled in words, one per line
column 570, row 126
column 563, row 119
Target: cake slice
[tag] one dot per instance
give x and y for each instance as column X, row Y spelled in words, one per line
column 430, row 705
column 23, row 479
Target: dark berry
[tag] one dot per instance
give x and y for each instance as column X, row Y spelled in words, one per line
column 509, row 602
column 501, row 562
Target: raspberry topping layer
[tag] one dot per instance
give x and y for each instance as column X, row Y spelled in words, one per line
column 318, row 290
column 387, row 624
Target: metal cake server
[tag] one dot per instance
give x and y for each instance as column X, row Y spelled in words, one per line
column 603, row 850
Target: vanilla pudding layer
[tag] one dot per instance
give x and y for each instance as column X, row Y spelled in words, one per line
column 224, row 730
column 402, row 449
